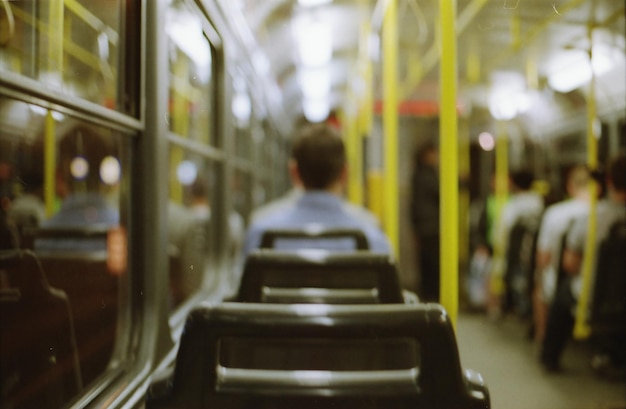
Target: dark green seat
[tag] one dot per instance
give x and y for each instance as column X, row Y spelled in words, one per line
column 315, row 236
column 240, row 355
column 319, row 276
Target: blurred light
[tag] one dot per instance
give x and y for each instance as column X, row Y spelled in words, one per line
column 508, row 96
column 316, row 110
column 103, row 46
column 315, row 83
column 314, row 39
column 242, row 108
column 373, row 46
column 110, row 170
column 486, row 141
column 79, row 168
column 502, row 106
column 572, row 69
column 185, row 30
column 260, row 62
column 36, row 109
column 313, row 3
column 187, row 172
column 58, row 116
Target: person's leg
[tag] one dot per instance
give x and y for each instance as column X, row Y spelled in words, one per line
column 559, row 326
column 429, row 268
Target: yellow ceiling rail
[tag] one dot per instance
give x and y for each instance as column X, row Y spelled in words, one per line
column 72, row 49
column 534, row 31
column 92, row 20
column 432, row 55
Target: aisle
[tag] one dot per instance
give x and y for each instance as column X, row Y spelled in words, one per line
column 505, row 358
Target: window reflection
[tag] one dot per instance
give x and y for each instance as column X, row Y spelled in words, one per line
column 190, row 228
column 191, row 110
column 63, row 190
column 71, row 46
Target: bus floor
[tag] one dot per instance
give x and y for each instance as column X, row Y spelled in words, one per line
column 507, row 360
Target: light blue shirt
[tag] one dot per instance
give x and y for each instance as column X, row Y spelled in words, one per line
column 83, row 210
column 321, row 208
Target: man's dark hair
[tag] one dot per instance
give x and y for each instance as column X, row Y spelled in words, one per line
column 617, row 173
column 320, row 156
column 522, row 178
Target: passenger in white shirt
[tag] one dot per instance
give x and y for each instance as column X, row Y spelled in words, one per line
column 556, row 222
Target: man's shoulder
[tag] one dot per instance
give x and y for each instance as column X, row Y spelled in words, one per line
column 361, row 213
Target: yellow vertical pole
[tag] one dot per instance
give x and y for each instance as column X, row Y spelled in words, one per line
column 180, row 121
column 353, row 147
column 473, row 67
column 581, row 326
column 464, row 193
column 449, row 215
column 532, row 72
column 55, row 40
column 390, row 123
column 501, row 193
column 50, row 164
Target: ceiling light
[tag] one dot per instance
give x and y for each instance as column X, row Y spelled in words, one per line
column 314, row 40
column 313, row 3
column 573, row 69
column 315, row 83
column 316, row 110
column 185, row 31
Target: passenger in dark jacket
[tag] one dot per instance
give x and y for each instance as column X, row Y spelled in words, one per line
column 425, row 219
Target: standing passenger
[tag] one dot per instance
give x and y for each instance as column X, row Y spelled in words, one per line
column 560, row 318
column 425, row 219
column 555, row 223
column 320, row 164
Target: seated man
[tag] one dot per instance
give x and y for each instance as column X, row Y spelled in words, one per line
column 320, row 164
column 288, row 200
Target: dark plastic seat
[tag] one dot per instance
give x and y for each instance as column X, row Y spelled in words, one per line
column 319, row 276
column 79, row 265
column 315, row 236
column 39, row 365
column 237, row 355
column 608, row 307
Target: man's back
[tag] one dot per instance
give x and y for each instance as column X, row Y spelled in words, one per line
column 320, row 208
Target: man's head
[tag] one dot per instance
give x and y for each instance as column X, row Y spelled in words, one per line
column 320, row 157
column 522, row 179
column 577, row 183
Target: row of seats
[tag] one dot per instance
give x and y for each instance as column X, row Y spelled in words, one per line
column 313, row 329
column 59, row 314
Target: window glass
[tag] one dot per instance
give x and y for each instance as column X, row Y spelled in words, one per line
column 64, row 189
column 191, row 92
column 191, row 236
column 73, row 46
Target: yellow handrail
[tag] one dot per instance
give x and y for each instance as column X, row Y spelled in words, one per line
column 390, row 123
column 50, row 164
column 449, row 171
column 581, row 326
column 496, row 281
